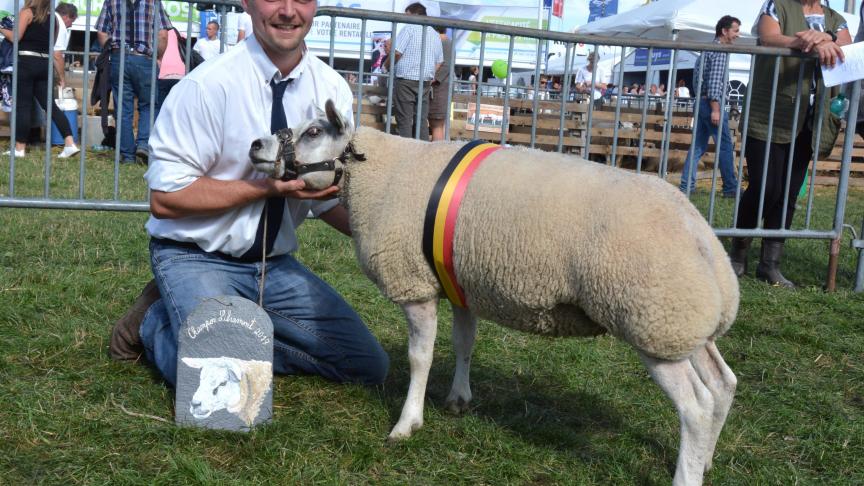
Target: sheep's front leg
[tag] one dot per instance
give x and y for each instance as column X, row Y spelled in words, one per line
column 422, row 326
column 464, row 333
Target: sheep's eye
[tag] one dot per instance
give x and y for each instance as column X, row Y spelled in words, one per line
column 215, row 390
column 313, row 132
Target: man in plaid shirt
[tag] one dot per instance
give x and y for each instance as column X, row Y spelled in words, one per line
column 409, row 72
column 712, row 116
column 140, row 18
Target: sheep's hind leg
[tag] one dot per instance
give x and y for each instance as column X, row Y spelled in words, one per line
column 464, row 332
column 422, row 326
column 695, row 405
column 721, row 382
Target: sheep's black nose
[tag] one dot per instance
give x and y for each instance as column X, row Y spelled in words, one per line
column 257, row 145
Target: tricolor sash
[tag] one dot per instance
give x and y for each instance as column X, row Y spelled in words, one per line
column 443, row 210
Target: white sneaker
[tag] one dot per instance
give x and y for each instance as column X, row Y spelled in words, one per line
column 69, row 151
column 18, row 153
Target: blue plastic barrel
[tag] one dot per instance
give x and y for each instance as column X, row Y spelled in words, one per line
column 56, row 137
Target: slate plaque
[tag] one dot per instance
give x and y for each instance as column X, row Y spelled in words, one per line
column 225, row 366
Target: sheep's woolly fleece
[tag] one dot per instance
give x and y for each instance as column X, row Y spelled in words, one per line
column 547, row 243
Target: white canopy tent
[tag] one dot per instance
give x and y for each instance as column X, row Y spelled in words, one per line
column 687, row 20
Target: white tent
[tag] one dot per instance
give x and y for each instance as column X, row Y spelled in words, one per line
column 691, row 20
column 688, row 20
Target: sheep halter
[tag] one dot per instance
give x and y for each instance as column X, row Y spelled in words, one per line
column 443, row 211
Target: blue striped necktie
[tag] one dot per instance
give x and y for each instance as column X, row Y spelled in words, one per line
column 275, row 206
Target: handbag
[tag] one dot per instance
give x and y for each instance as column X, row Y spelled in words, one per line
column 194, row 58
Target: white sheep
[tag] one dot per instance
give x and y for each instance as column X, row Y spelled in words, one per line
column 550, row 244
column 236, row 385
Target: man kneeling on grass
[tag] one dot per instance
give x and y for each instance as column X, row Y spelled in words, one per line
column 207, row 202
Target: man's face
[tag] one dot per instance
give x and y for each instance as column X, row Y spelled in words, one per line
column 732, row 33
column 67, row 20
column 281, row 25
column 212, row 30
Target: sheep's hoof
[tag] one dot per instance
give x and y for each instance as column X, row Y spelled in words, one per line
column 457, row 405
column 401, row 432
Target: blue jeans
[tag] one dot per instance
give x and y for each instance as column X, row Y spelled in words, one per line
column 705, row 129
column 315, row 331
column 137, row 83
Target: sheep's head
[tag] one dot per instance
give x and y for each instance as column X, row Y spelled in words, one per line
column 314, row 151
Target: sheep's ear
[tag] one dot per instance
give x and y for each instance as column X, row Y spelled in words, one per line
column 194, row 362
column 235, row 372
column 334, row 117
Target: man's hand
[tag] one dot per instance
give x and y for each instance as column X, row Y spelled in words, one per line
column 715, row 117
column 296, row 189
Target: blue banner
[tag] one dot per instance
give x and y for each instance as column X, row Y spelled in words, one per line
column 660, row 57
column 597, row 9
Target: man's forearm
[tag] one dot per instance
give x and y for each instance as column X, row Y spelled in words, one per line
column 207, row 196
column 102, row 38
column 60, row 67
column 161, row 43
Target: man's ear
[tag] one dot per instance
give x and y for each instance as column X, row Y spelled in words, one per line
column 334, row 117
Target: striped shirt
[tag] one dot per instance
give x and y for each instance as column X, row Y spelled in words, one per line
column 139, row 23
column 714, row 76
column 408, row 45
column 814, row 21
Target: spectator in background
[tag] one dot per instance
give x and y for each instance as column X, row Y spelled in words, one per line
column 409, row 72
column 34, row 25
column 66, row 14
column 244, row 26
column 807, row 26
column 439, row 109
column 137, row 77
column 210, row 45
column 661, row 90
column 652, row 91
column 584, row 75
column 682, row 91
column 712, row 117
column 473, row 78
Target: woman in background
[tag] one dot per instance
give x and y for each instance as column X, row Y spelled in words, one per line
column 34, row 21
column 807, row 26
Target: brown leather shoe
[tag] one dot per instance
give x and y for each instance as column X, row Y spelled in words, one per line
column 125, row 340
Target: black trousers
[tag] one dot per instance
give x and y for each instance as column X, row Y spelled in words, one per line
column 33, row 84
column 775, row 181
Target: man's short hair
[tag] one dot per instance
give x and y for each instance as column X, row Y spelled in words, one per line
column 725, row 22
column 67, row 10
column 416, row 8
column 214, row 23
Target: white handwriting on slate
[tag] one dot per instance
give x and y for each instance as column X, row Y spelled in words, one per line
column 225, row 316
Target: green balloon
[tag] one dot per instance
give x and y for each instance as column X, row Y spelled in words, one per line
column 499, row 69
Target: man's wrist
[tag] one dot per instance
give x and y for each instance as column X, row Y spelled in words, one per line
column 832, row 34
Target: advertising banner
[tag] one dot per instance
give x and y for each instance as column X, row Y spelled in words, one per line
column 660, row 57
column 597, row 9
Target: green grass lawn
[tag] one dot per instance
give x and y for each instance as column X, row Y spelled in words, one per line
column 546, row 411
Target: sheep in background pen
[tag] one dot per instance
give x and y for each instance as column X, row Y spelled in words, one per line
column 548, row 244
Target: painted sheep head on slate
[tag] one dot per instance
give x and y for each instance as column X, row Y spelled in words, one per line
column 314, row 151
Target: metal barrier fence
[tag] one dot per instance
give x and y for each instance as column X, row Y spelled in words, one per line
column 515, row 101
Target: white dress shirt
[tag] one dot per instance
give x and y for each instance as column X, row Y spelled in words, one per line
column 205, row 127
column 61, row 42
